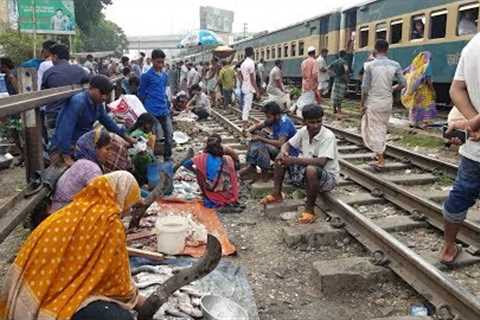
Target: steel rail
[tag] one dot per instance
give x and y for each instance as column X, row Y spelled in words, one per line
column 412, row 203
column 421, row 275
column 427, row 280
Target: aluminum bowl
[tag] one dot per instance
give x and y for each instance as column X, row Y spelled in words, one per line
column 220, row 308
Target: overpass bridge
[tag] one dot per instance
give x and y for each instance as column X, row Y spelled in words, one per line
column 146, row 43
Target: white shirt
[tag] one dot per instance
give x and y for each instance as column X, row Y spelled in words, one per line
column 44, row 66
column 193, row 77
column 183, row 73
column 468, row 70
column 247, row 68
column 323, row 145
column 202, row 101
column 275, row 74
column 322, row 64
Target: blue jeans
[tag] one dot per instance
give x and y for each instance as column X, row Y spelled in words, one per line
column 465, row 192
column 165, row 123
column 227, row 97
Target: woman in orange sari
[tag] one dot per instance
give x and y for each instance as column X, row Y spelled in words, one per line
column 76, row 261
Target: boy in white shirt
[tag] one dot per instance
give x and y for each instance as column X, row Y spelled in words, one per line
column 317, row 167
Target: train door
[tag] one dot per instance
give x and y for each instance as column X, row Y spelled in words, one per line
column 348, row 33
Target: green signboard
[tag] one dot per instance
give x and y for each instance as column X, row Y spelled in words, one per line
column 51, row 16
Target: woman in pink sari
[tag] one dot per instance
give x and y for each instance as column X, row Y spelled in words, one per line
column 216, row 175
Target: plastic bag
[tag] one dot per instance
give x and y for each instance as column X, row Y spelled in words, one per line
column 127, row 109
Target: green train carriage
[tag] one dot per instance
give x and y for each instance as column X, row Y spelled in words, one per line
column 396, row 21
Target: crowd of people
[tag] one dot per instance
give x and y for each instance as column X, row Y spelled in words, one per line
column 62, row 273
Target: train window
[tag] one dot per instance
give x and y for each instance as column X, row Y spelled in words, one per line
column 381, row 31
column 262, row 54
column 274, row 53
column 418, row 27
column 285, row 51
column 364, row 31
column 279, row 52
column 301, row 48
column 293, row 49
column 438, row 24
column 468, row 19
column 396, row 27
column 268, row 53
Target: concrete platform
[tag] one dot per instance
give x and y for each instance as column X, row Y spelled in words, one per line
column 261, row 189
column 350, row 274
column 361, row 199
column 399, row 223
column 273, row 211
column 315, row 235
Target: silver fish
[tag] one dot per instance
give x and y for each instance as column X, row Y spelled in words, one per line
column 177, row 313
column 146, row 268
column 192, row 292
column 190, row 310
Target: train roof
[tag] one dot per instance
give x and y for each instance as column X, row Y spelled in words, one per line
column 263, row 34
column 358, row 4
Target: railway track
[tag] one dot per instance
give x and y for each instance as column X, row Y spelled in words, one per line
column 396, row 215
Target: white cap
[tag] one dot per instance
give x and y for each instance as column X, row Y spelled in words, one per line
column 311, row 49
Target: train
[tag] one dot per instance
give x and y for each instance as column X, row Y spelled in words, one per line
column 356, row 28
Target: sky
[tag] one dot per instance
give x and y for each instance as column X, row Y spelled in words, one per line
column 162, row 17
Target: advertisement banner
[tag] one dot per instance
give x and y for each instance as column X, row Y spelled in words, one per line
column 216, row 19
column 51, row 16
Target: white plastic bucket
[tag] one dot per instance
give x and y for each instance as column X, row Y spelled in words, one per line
column 171, row 234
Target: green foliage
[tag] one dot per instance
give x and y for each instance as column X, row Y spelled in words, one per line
column 97, row 33
column 104, row 36
column 18, row 46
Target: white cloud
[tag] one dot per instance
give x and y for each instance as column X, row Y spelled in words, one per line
column 160, row 17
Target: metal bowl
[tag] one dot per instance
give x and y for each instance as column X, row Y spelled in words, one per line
column 220, row 308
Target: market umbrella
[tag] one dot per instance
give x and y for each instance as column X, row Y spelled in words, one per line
column 200, row 38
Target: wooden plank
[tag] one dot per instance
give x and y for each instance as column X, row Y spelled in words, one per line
column 155, row 256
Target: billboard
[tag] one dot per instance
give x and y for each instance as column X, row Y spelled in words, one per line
column 215, row 19
column 52, row 16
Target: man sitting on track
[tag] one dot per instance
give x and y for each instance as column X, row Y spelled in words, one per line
column 262, row 149
column 317, row 167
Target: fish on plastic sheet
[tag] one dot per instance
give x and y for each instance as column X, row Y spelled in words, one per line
column 183, row 304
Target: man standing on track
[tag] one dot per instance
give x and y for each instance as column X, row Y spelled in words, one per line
column 323, row 77
column 377, row 99
column 340, row 68
column 249, row 84
column 309, row 81
column 466, row 97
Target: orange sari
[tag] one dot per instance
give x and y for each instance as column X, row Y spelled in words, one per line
column 76, row 256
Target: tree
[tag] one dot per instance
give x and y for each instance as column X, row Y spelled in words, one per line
column 105, row 36
column 89, row 12
column 17, row 46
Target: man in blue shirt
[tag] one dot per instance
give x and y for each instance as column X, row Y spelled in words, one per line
column 62, row 73
column 152, row 92
column 78, row 116
column 263, row 149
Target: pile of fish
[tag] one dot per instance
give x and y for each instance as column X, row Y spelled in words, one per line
column 183, row 304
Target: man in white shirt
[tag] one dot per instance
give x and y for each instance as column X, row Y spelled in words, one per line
column 47, row 61
column 323, row 77
column 466, row 189
column 199, row 103
column 147, row 65
column 183, row 77
column 193, row 77
column 249, row 84
column 261, row 72
column 317, row 168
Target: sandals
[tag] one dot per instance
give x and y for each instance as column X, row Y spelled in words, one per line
column 452, row 264
column 307, row 218
column 375, row 166
column 270, row 199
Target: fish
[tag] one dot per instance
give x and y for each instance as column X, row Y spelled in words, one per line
column 148, row 269
column 182, row 297
column 145, row 285
column 177, row 313
column 190, row 310
column 196, row 302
